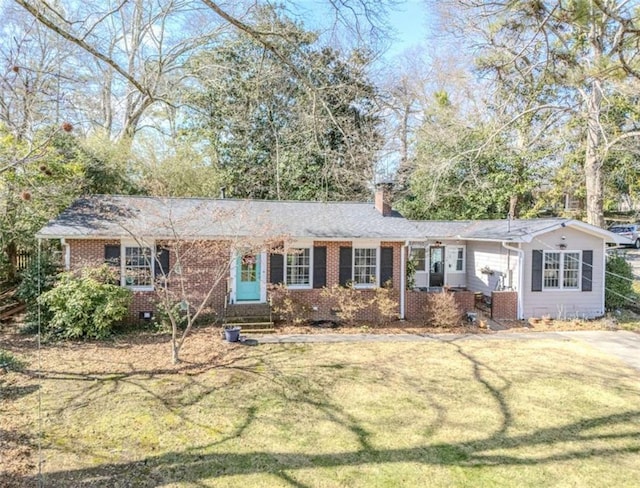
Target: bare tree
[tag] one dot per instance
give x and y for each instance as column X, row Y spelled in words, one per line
column 577, row 53
column 138, row 50
column 191, row 271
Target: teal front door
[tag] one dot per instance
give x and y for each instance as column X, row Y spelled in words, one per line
column 248, row 278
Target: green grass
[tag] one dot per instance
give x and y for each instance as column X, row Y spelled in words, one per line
column 473, row 413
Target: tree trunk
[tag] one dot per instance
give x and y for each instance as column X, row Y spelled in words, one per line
column 593, row 173
column 175, row 352
column 513, row 206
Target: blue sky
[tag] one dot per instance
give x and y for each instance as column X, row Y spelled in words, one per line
column 410, row 22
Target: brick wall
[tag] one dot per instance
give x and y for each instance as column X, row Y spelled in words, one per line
column 204, row 264
column 207, row 263
column 504, row 305
column 417, row 301
column 314, row 299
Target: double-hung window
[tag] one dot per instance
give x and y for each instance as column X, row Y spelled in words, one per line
column 137, row 267
column 298, row 268
column 561, row 270
column 365, row 266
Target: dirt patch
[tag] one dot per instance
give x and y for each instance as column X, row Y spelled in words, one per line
column 404, row 327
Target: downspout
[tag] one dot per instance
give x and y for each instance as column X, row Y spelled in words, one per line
column 520, row 276
column 403, row 279
column 67, row 254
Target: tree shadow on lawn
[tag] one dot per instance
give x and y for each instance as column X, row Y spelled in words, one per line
column 194, row 465
column 191, row 467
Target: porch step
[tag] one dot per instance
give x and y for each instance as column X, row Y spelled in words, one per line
column 248, row 310
column 239, row 320
column 253, row 325
column 257, row 331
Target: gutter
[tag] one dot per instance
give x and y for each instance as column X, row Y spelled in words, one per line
column 520, row 277
column 403, row 279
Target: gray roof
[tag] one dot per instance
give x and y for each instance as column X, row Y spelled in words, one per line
column 516, row 230
column 122, row 216
column 156, row 217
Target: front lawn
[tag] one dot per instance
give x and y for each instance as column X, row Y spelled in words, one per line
column 466, row 413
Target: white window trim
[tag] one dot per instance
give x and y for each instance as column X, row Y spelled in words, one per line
column 562, row 253
column 365, row 286
column 123, row 264
column 286, row 267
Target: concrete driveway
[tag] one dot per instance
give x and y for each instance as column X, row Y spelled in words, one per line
column 624, row 345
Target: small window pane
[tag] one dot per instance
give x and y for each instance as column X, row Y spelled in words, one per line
column 248, row 268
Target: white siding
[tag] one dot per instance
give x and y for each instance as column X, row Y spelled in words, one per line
column 492, row 256
column 569, row 303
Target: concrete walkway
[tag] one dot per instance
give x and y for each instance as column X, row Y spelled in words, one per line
column 624, row 345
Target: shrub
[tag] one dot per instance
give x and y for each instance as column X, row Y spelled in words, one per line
column 348, row 300
column 166, row 312
column 286, row 306
column 442, row 310
column 618, row 283
column 387, row 305
column 85, row 306
column 8, row 362
column 39, row 277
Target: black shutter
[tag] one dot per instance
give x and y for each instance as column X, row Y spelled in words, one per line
column 112, row 258
column 319, row 267
column 346, row 258
column 112, row 255
column 386, row 266
column 536, row 270
column 161, row 264
column 587, row 270
column 277, row 269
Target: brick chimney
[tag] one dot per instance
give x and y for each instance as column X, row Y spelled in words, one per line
column 383, row 198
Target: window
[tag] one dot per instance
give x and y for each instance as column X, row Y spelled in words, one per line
column 248, row 268
column 299, row 267
column 561, row 270
column 460, row 259
column 365, row 266
column 138, row 267
column 418, row 256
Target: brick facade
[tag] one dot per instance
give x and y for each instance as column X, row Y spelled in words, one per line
column 199, row 270
column 206, row 259
column 205, row 264
column 504, row 305
column 322, row 306
column 417, row 301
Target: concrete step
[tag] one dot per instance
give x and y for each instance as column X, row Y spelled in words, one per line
column 247, row 319
column 248, row 310
column 253, row 325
